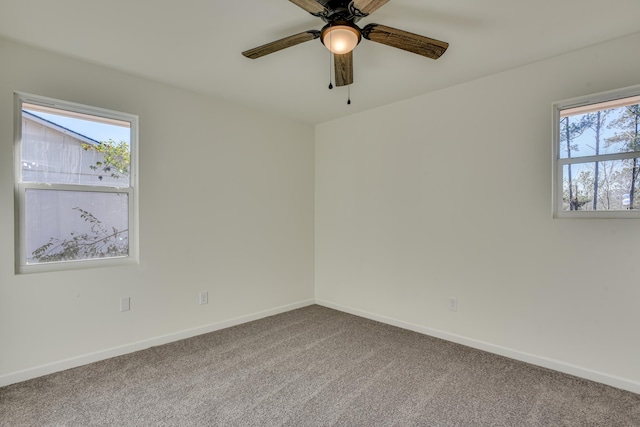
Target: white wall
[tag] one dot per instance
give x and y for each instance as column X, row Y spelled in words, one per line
column 449, row 195
column 226, row 205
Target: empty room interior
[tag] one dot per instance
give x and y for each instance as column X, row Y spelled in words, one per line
column 423, row 196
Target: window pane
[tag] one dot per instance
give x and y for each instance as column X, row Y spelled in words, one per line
column 601, row 186
column 63, row 147
column 75, row 225
column 606, row 128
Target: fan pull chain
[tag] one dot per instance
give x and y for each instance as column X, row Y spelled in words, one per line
column 330, row 79
column 330, row 68
column 348, row 94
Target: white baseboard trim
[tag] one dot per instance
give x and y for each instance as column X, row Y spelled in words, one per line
column 73, row 362
column 533, row 359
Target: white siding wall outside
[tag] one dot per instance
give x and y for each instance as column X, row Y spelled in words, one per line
column 52, row 155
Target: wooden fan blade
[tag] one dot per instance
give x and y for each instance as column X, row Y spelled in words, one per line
column 281, row 44
column 344, row 68
column 369, row 6
column 405, row 40
column 311, row 6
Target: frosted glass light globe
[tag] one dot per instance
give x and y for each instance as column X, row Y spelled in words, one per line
column 341, row 39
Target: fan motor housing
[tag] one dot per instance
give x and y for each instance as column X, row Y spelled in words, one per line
column 340, row 10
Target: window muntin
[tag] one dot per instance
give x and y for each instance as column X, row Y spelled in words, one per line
column 597, row 156
column 75, row 176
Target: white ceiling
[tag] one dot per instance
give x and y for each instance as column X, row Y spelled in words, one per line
column 197, row 44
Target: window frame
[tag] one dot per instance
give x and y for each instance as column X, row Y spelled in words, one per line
column 558, row 163
column 20, row 188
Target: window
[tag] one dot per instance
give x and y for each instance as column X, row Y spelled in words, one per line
column 597, row 156
column 75, row 180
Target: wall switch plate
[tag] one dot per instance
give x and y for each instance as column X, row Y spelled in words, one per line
column 204, row 297
column 125, row 304
column 453, row 304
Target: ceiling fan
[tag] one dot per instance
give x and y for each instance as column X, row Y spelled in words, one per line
column 341, row 34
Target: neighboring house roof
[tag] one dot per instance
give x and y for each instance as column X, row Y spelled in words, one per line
column 59, row 128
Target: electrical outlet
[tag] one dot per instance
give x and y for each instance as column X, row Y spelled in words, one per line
column 453, row 304
column 204, row 297
column 125, row 304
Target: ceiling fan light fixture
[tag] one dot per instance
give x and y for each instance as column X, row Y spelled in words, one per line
column 340, row 38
